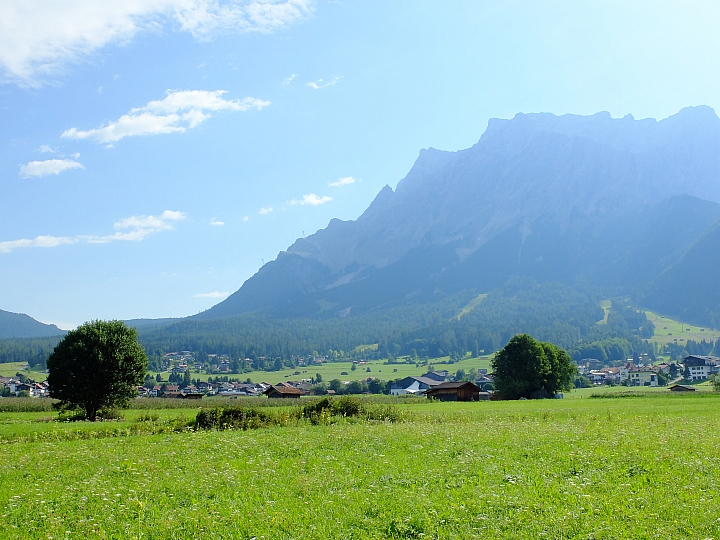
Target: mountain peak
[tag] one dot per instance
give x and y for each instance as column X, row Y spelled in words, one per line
column 515, row 201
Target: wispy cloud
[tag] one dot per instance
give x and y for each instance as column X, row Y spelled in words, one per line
column 311, row 199
column 290, row 79
column 265, row 210
column 45, row 148
column 344, row 181
column 39, row 39
column 49, row 166
column 216, row 223
column 38, row 241
column 214, row 294
column 179, row 111
column 322, row 83
column 133, row 228
column 246, row 218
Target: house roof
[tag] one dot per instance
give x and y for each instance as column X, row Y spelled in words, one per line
column 284, row 390
column 452, row 386
column 427, row 380
column 682, row 388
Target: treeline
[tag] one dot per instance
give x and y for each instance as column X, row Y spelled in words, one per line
column 563, row 315
column 556, row 313
column 34, row 351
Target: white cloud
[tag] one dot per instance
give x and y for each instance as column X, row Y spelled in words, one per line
column 265, row 210
column 180, row 110
column 38, row 241
column 322, row 83
column 344, row 181
column 216, row 223
column 246, row 218
column 312, row 200
column 47, row 149
column 214, row 294
column 49, row 166
column 39, row 39
column 134, row 228
column 289, row 79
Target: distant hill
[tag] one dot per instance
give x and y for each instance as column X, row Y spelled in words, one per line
column 613, row 203
column 150, row 323
column 19, row 325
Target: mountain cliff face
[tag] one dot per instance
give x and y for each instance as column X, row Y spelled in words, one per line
column 611, row 201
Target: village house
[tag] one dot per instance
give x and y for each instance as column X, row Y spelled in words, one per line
column 699, row 368
column 643, row 377
column 439, row 375
column 283, row 391
column 484, row 381
column 412, row 385
column 456, row 391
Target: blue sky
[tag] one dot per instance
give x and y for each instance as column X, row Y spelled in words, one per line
column 153, row 153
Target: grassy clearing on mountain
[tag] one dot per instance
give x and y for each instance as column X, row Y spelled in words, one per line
column 669, row 330
column 472, row 304
column 635, row 467
column 605, row 305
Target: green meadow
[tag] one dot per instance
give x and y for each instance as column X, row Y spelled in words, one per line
column 623, row 467
column 9, row 369
column 672, row 331
column 343, row 370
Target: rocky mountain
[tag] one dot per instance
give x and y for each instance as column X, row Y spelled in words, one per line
column 19, row 325
column 611, row 202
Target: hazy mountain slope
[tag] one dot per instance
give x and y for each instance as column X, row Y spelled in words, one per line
column 689, row 289
column 19, row 325
column 612, row 201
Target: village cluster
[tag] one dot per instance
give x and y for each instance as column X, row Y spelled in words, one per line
column 439, row 384
column 640, row 371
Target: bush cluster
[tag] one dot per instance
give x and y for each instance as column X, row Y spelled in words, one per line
column 323, row 411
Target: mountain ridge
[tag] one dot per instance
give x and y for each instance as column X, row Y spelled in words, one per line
column 19, row 325
column 540, row 195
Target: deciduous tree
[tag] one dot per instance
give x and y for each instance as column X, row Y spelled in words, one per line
column 525, row 367
column 96, row 367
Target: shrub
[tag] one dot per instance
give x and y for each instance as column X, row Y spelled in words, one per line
column 233, row 418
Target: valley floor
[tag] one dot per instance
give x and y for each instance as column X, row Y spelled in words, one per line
column 634, row 467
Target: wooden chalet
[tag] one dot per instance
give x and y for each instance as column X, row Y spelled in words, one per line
column 283, row 391
column 681, row 388
column 456, row 391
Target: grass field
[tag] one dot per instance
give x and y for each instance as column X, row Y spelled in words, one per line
column 334, row 370
column 328, row 371
column 671, row 331
column 9, row 369
column 642, row 467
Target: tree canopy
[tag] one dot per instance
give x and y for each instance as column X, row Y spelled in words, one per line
column 96, row 367
column 526, row 367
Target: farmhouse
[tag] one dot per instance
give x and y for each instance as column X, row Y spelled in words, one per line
column 439, row 375
column 484, row 381
column 456, row 391
column 283, row 391
column 681, row 388
column 412, row 385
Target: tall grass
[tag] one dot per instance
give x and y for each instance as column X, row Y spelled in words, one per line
column 629, row 468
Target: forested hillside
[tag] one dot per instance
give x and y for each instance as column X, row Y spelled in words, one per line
column 19, row 325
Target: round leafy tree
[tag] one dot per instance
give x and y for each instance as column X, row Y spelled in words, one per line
column 96, row 367
column 528, row 368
